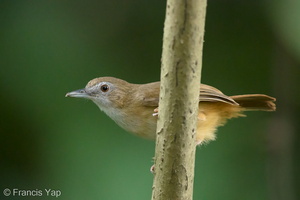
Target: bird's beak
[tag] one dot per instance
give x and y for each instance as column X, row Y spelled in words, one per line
column 81, row 93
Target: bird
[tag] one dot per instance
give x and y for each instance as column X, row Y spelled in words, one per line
column 134, row 107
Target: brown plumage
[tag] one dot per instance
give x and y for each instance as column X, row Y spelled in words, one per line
column 132, row 106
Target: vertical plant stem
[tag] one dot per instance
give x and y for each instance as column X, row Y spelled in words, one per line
column 179, row 100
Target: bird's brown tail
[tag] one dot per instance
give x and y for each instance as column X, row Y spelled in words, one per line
column 256, row 102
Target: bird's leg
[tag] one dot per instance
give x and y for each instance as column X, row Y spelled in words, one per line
column 201, row 116
column 155, row 113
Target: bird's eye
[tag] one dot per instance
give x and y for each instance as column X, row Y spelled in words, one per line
column 104, row 88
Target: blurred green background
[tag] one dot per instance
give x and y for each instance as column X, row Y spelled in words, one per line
column 48, row 48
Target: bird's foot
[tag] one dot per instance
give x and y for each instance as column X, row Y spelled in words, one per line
column 155, row 112
column 152, row 169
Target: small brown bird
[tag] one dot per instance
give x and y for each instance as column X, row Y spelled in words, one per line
column 134, row 106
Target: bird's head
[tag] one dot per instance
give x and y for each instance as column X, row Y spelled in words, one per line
column 106, row 92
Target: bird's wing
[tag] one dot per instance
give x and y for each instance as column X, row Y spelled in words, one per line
column 211, row 94
column 207, row 94
column 150, row 94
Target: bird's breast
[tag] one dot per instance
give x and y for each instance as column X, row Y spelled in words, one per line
column 138, row 121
